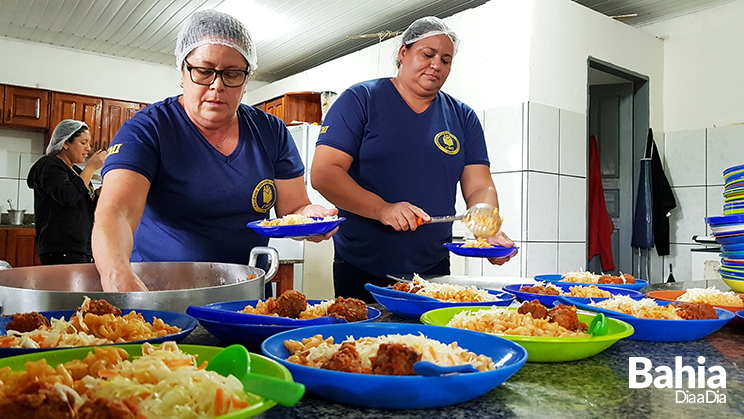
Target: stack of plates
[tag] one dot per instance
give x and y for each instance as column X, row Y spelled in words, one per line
column 733, row 192
column 729, row 232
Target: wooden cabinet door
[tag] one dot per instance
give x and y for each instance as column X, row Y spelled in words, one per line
column 21, row 247
column 115, row 113
column 276, row 108
column 26, row 107
column 80, row 108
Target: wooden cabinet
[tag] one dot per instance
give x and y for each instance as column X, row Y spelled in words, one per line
column 294, row 106
column 18, row 246
column 24, row 107
column 80, row 108
column 115, row 113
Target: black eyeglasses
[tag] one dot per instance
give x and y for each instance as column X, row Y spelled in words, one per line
column 206, row 76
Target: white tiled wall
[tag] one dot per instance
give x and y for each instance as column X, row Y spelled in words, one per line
column 695, row 161
column 538, row 164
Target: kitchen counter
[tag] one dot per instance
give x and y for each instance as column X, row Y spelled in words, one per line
column 596, row 387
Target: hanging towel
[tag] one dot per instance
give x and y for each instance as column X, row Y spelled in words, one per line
column 600, row 226
column 664, row 201
column 643, row 218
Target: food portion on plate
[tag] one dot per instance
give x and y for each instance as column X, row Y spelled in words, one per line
column 530, row 319
column 95, row 322
column 712, row 296
column 445, row 292
column 479, row 242
column 546, row 288
column 591, row 278
column 293, row 304
column 295, row 219
column 392, row 354
column 163, row 382
column 474, row 249
column 647, row 308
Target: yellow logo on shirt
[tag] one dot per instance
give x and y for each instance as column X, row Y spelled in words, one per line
column 113, row 149
column 447, row 142
column 323, row 129
column 264, row 196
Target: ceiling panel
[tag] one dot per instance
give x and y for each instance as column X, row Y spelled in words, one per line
column 146, row 29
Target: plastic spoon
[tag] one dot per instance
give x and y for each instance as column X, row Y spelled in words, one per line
column 430, row 369
column 236, row 360
column 598, row 326
column 389, row 292
column 473, row 220
column 227, row 316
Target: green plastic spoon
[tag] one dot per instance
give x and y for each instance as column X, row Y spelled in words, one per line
column 236, row 360
column 598, row 326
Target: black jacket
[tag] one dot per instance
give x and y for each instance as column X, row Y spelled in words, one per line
column 63, row 207
column 664, row 201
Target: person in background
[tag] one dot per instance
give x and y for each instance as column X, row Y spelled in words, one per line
column 64, row 199
column 394, row 149
column 185, row 175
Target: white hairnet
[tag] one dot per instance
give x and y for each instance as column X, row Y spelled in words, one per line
column 424, row 28
column 213, row 27
column 64, row 130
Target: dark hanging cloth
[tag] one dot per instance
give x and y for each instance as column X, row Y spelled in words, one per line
column 643, row 217
column 663, row 201
column 600, row 225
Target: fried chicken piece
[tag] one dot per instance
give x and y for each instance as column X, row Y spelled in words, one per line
column 346, row 359
column 401, row 286
column 27, row 322
column 566, row 316
column 629, row 279
column 609, row 279
column 290, row 304
column 535, row 308
column 394, row 359
column 349, row 309
column 38, row 400
column 539, row 289
column 101, row 307
column 101, row 408
column 696, row 311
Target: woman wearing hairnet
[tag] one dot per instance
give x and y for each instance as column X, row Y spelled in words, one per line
column 184, row 176
column 391, row 150
column 64, row 199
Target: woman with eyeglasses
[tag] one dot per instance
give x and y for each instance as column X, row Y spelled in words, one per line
column 184, row 176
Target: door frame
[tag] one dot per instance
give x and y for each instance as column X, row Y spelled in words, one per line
column 641, row 124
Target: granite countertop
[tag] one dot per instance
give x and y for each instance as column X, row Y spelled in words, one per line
column 596, row 387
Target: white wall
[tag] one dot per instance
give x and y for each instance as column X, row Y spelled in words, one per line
column 703, row 62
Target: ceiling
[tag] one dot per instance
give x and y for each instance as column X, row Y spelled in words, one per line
column 315, row 30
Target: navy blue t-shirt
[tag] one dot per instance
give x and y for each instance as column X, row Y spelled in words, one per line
column 201, row 200
column 401, row 156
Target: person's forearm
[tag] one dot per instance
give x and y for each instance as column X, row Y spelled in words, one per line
column 486, row 195
column 87, row 174
column 112, row 243
column 341, row 190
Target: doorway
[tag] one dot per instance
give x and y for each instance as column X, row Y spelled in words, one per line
column 618, row 117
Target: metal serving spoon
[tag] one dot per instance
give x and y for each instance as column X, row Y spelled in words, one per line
column 236, row 360
column 430, row 369
column 482, row 220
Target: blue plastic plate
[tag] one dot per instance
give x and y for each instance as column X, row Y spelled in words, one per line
column 480, row 252
column 721, row 220
column 413, row 309
column 186, row 323
column 731, row 241
column 740, row 314
column 400, row 392
column 549, row 300
column 654, row 330
column 236, row 306
column 251, row 335
column 557, row 279
column 297, row 230
column 736, row 168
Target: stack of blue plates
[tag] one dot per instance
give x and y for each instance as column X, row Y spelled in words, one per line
column 729, row 232
column 733, row 190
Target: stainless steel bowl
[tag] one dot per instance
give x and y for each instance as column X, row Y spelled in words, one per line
column 173, row 285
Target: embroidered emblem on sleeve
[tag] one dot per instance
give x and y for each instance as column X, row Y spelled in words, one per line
column 447, row 142
column 264, row 196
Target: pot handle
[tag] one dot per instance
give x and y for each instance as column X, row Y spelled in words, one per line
column 273, row 260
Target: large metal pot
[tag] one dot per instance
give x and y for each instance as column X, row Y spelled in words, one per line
column 173, row 285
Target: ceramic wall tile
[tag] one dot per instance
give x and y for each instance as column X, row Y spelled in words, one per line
column 571, row 257
column 542, row 205
column 510, row 189
column 511, row 268
column 725, row 149
column 541, row 258
column 688, row 219
column 10, row 164
column 474, row 266
column 27, row 160
column 504, row 137
column 25, row 197
column 684, row 153
column 572, row 143
column 572, row 208
column 681, row 259
column 8, row 190
column 714, row 202
column 659, row 268
column 542, row 138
